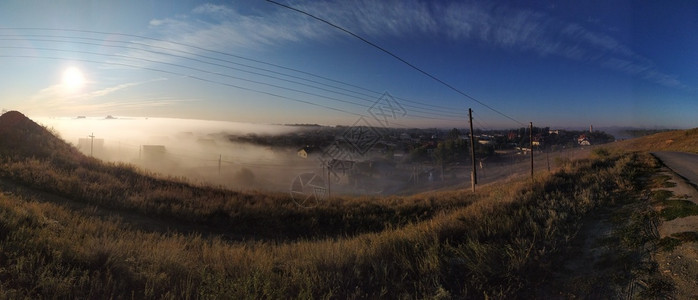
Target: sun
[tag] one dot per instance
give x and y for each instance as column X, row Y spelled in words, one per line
column 73, row 79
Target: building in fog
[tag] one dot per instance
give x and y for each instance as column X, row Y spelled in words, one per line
column 153, row 152
column 306, row 151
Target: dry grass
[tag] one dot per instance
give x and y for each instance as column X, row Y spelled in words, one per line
column 497, row 243
column 500, row 242
column 679, row 140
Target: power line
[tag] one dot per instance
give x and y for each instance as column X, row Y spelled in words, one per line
column 398, row 58
column 448, row 117
column 192, row 77
column 430, row 106
column 371, row 101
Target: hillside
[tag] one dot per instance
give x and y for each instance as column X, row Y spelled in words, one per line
column 678, row 140
column 34, row 158
column 74, row 227
column 20, row 136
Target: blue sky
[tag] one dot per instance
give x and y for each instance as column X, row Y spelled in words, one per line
column 553, row 63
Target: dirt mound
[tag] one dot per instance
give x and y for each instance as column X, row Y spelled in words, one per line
column 22, row 137
column 14, row 121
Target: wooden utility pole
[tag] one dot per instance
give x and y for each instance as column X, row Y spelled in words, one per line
column 219, row 164
column 92, row 142
column 415, row 175
column 329, row 181
column 473, row 174
column 530, row 136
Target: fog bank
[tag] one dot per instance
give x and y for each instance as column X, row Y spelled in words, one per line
column 199, row 150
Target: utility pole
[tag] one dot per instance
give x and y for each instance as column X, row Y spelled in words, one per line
column 530, row 137
column 219, row 164
column 92, row 142
column 329, row 181
column 415, row 175
column 473, row 174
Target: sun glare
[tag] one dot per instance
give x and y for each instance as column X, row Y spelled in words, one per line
column 73, row 79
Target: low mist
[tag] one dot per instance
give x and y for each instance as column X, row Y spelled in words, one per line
column 241, row 156
column 198, row 150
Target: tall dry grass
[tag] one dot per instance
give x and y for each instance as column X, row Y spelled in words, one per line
column 500, row 242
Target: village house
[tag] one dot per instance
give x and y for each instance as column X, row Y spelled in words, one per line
column 306, row 151
column 582, row 140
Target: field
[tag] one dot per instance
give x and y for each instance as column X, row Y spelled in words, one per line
column 74, row 227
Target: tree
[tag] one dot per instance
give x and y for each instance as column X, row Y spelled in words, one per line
column 452, row 150
column 454, row 134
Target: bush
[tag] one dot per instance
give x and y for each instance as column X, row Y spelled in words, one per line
column 601, row 153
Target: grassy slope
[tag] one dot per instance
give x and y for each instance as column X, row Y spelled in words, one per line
column 499, row 246
column 26, row 158
column 679, row 140
column 498, row 242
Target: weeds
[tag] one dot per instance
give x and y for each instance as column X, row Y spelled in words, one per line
column 601, row 153
column 678, row 209
column 662, row 181
column 671, row 242
column 659, row 196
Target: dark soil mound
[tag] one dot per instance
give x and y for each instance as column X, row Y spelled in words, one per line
column 22, row 137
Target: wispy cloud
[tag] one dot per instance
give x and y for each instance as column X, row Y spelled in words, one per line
column 127, row 106
column 221, row 11
column 56, row 100
column 220, row 27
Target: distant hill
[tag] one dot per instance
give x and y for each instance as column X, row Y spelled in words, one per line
column 677, row 140
column 22, row 137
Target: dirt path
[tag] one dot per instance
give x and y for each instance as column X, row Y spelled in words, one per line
column 681, row 263
column 621, row 252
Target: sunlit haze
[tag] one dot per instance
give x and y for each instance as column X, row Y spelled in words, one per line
column 73, row 79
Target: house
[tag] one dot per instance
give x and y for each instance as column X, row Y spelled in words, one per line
column 306, row 151
column 583, row 140
column 153, row 152
column 537, row 140
column 485, row 139
column 522, row 150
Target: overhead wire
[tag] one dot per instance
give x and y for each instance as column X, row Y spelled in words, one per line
column 219, row 74
column 437, row 112
column 192, row 77
column 398, row 58
column 215, row 82
column 429, row 106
